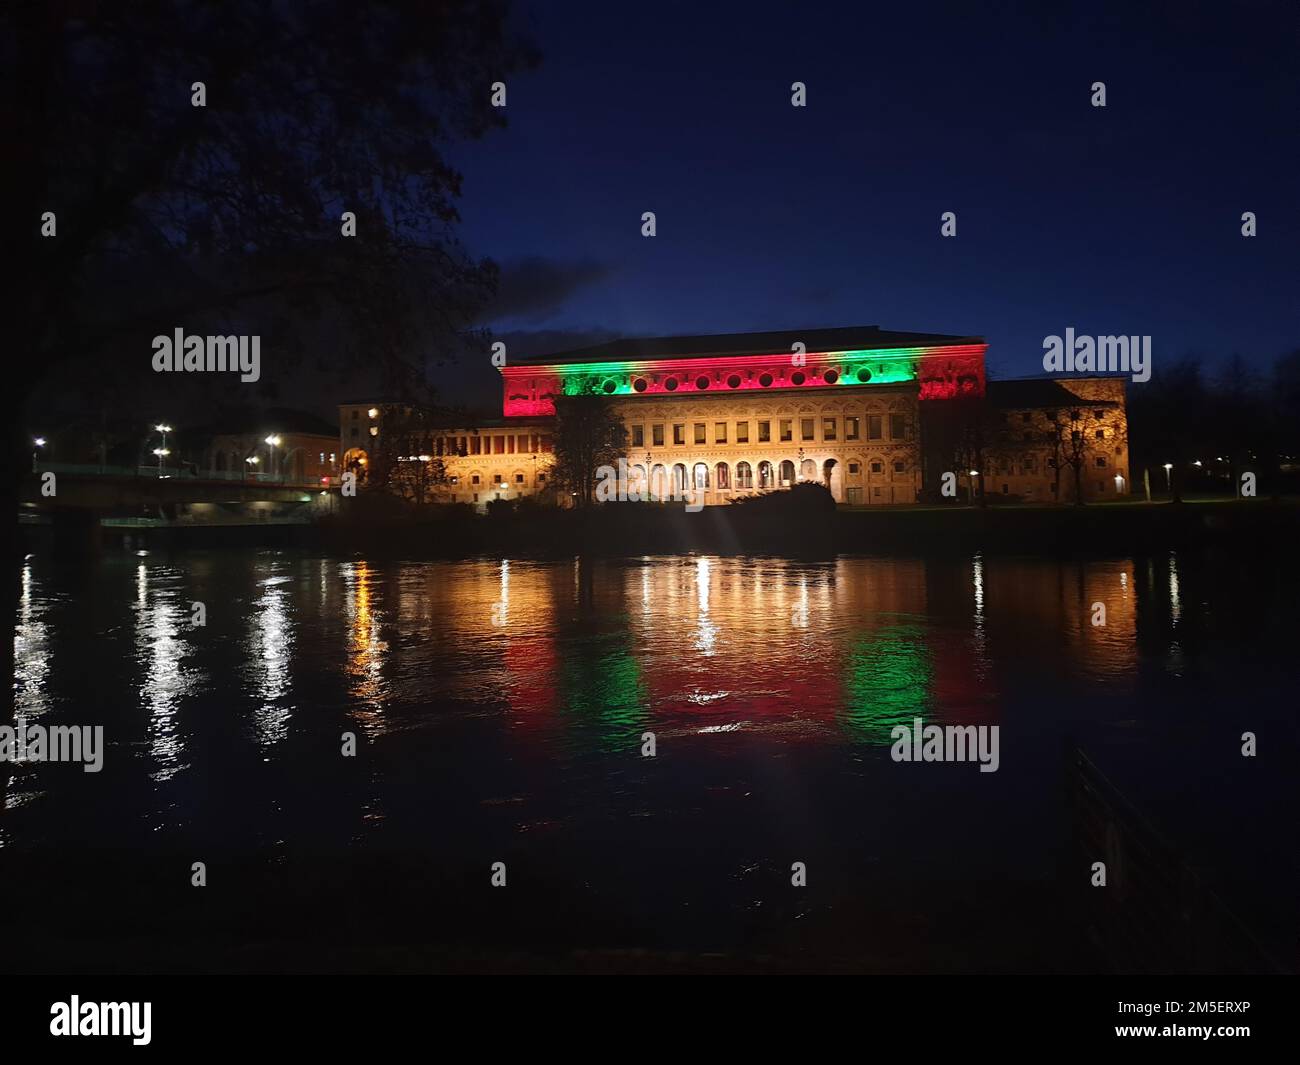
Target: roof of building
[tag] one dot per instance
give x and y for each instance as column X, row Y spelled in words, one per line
column 1030, row 392
column 851, row 338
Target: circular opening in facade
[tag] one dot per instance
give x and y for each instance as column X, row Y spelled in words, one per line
column 733, row 381
column 701, row 382
column 671, row 384
column 797, row 378
column 766, row 380
column 831, row 376
column 609, row 386
column 639, row 384
column 864, row 375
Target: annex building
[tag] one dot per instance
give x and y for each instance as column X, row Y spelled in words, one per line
column 875, row 415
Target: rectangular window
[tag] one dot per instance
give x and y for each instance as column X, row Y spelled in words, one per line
column 679, row 434
column 900, row 467
column 657, row 435
column 806, row 428
column 851, row 429
column 719, row 433
column 877, row 467
column 511, row 444
column 828, row 429
column 742, row 432
column 897, row 427
column 787, row 429
column 700, row 437
column 1101, row 461
column 1100, row 434
column 499, row 445
column 764, row 432
column 873, row 426
column 854, row 467
column 638, row 436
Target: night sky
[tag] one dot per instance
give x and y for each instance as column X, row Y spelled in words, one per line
column 1123, row 219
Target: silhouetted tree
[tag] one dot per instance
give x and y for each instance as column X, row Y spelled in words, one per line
column 589, row 434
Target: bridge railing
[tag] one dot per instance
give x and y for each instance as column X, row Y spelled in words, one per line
column 175, row 473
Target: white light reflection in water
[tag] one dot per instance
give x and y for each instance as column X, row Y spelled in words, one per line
column 270, row 651
column 161, row 649
column 501, row 608
column 1175, row 600
column 979, row 636
column 706, row 631
column 31, row 652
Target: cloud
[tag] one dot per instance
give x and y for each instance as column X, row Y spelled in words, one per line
column 535, row 288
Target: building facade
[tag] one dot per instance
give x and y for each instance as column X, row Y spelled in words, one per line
column 876, row 416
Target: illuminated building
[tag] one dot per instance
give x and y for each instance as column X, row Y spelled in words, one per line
column 869, row 413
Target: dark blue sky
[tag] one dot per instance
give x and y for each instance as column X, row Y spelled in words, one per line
column 1123, row 219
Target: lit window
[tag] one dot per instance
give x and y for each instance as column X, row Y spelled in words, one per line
column 720, row 435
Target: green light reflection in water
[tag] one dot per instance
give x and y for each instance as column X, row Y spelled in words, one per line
column 888, row 680
column 602, row 686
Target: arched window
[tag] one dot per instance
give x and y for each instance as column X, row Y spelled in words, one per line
column 679, row 478
column 221, row 462
column 701, row 473
column 722, row 479
column 744, row 475
column 765, row 474
column 787, row 472
column 808, row 471
column 636, row 483
column 658, row 482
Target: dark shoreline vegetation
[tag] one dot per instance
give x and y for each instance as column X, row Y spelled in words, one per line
column 770, row 525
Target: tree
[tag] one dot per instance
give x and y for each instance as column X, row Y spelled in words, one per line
column 167, row 214
column 403, row 461
column 589, row 434
column 1076, row 442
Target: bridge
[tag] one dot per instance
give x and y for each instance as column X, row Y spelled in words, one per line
column 82, row 501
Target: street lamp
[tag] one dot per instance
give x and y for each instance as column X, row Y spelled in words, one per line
column 161, row 451
column 252, row 460
column 1168, row 486
column 39, row 443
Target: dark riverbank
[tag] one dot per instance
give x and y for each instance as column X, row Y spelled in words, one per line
column 667, row 529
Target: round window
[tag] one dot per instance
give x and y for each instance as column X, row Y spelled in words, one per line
column 701, row 382
column 765, row 380
column 671, row 384
column 830, row 377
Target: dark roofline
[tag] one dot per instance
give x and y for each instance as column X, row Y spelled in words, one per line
column 848, row 338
